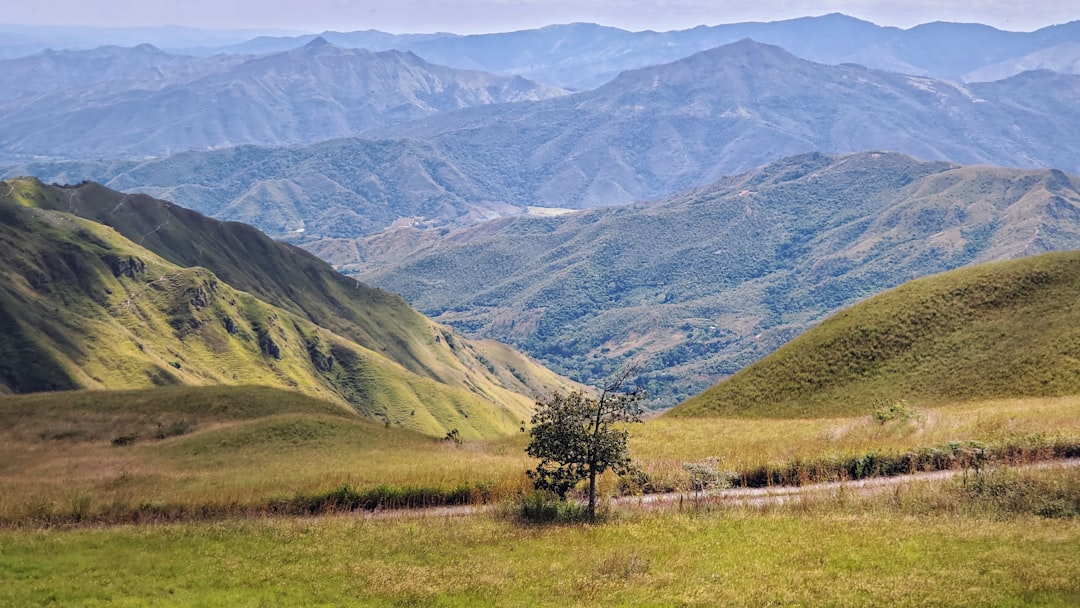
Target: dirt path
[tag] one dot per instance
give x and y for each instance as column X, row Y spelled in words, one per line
column 746, row 497
column 754, row 497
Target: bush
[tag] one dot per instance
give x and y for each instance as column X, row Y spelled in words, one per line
column 709, row 475
column 897, row 410
column 174, row 428
column 454, row 436
column 123, row 440
column 545, row 507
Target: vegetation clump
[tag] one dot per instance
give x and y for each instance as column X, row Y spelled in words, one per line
column 709, row 475
column 896, row 410
column 546, row 507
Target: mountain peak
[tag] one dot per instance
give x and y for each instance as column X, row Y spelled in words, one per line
column 318, row 43
column 745, row 56
column 149, row 50
column 748, row 47
column 746, row 50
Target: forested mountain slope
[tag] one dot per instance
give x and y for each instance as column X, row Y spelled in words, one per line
column 706, row 282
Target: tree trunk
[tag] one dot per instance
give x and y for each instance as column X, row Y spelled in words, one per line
column 592, row 494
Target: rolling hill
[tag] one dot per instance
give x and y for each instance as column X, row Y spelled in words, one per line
column 165, row 296
column 313, row 93
column 701, row 284
column 341, row 188
column 1008, row 329
column 647, row 134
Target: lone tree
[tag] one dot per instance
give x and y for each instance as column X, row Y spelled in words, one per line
column 576, row 438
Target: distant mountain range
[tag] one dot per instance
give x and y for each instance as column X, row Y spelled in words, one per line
column 106, row 290
column 701, row 284
column 22, row 40
column 103, row 71
column 647, row 134
column 313, row 93
column 584, row 55
column 994, row 331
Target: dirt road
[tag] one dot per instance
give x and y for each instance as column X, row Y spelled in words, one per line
column 783, row 494
column 750, row 497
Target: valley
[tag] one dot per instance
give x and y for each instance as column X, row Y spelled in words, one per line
column 699, row 285
column 288, row 312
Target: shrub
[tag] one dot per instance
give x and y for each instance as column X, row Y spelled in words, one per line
column 175, row 428
column 123, row 440
column 545, row 507
column 897, row 410
column 709, row 475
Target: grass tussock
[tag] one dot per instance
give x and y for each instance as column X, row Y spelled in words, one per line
column 347, row 498
column 542, row 507
column 82, row 509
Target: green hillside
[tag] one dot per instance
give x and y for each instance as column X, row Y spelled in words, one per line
column 1008, row 329
column 82, row 306
column 97, row 416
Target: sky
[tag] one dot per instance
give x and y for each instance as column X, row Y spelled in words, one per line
column 479, row 16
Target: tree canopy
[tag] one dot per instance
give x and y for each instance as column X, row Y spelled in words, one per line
column 578, row 437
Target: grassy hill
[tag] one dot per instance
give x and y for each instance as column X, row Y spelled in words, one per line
column 1009, row 329
column 84, row 307
column 135, row 455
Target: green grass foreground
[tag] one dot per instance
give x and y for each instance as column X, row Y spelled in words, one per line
column 989, row 539
column 824, row 555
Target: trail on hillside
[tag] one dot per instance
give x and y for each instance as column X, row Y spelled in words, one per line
column 741, row 497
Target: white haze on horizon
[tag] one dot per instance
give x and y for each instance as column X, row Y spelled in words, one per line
column 479, row 16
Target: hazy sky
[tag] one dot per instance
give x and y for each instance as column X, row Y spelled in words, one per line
column 473, row 16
